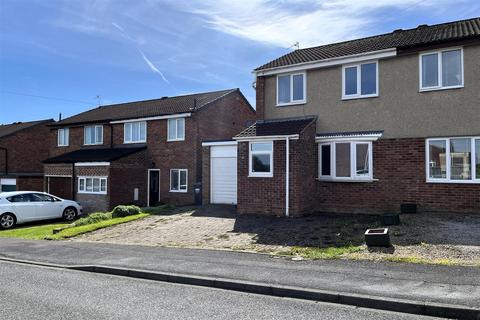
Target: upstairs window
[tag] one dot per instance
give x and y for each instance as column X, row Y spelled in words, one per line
column 290, row 89
column 63, row 137
column 135, row 132
column 176, row 129
column 93, row 135
column 261, row 159
column 453, row 160
column 360, row 80
column 345, row 161
column 441, row 70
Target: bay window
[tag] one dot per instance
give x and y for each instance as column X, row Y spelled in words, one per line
column 360, row 80
column 453, row 160
column 345, row 160
column 441, row 70
column 261, row 159
column 291, row 88
column 135, row 132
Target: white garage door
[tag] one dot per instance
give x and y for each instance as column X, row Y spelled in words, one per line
column 223, row 174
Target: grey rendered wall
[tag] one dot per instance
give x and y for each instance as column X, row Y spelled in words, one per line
column 401, row 110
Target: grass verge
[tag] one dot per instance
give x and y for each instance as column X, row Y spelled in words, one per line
column 31, row 233
column 314, row 253
column 75, row 231
column 45, row 232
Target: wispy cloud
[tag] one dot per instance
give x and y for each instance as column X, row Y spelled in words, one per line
column 309, row 22
column 150, row 64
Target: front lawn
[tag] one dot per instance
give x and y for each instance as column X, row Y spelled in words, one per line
column 94, row 221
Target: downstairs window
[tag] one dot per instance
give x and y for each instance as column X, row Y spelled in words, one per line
column 455, row 160
column 345, row 160
column 94, row 185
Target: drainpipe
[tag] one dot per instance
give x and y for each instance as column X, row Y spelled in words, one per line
column 287, row 176
column 73, row 182
column 6, row 159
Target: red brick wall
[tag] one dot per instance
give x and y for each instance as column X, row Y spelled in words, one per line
column 206, row 175
column 29, row 183
column 399, row 166
column 126, row 174
column 26, row 150
column 399, row 170
column 76, row 140
column 261, row 195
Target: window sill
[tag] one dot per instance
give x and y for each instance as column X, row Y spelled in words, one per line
column 346, row 180
column 454, row 181
column 133, row 142
column 179, row 191
column 93, row 193
column 260, row 176
column 64, row 146
column 295, row 103
column 93, row 144
column 440, row 88
column 175, row 140
column 360, row 97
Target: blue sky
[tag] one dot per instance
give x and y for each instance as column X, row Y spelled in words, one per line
column 58, row 56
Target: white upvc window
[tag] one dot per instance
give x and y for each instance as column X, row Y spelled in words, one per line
column 345, row 161
column 62, row 137
column 291, row 88
column 360, row 80
column 453, row 160
column 261, row 159
column 178, row 180
column 93, row 135
column 92, row 185
column 441, row 69
column 176, row 129
column 135, row 132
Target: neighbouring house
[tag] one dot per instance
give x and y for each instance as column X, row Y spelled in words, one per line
column 22, row 148
column 367, row 125
column 143, row 152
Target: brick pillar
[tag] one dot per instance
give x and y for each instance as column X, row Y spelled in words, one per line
column 260, row 98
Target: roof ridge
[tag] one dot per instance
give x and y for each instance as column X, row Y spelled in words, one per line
column 220, row 97
column 161, row 98
column 25, row 122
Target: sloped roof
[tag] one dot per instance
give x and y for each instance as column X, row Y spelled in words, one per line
column 8, row 129
column 95, row 155
column 420, row 36
column 278, row 127
column 147, row 108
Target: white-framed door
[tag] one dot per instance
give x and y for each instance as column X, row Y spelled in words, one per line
column 153, row 187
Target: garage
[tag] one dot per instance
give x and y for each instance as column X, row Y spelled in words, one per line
column 223, row 172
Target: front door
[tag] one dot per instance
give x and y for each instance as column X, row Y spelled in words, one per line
column 153, row 187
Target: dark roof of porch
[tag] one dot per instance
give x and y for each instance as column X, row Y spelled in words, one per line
column 278, row 127
column 95, row 155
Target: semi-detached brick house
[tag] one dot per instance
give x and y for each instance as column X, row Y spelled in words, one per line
column 367, row 125
column 143, row 152
column 22, row 149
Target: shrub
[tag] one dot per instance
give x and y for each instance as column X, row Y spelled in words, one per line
column 123, row 211
column 93, row 218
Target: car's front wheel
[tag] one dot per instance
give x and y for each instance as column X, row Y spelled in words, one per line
column 69, row 214
column 7, row 221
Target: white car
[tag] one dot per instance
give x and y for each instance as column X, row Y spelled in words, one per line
column 25, row 206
